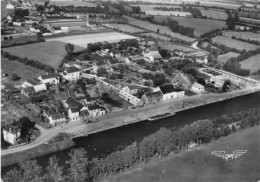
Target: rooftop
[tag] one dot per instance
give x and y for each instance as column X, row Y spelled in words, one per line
column 50, row 75
column 72, row 69
column 169, row 89
column 11, row 128
column 73, row 103
column 154, row 94
column 33, row 81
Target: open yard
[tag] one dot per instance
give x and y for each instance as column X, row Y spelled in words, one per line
column 234, row 43
column 224, row 57
column 219, row 15
column 49, row 53
column 153, row 27
column 252, row 63
column 242, row 35
column 84, row 39
column 125, row 28
column 200, row 165
column 23, row 71
column 200, row 25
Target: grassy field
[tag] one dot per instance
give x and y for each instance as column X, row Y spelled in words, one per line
column 200, row 25
column 224, row 57
column 242, row 35
column 249, row 20
column 157, row 36
column 252, row 63
column 125, row 27
column 69, row 3
column 219, row 15
column 49, row 53
column 149, row 7
column 200, row 165
column 23, row 71
column 153, row 27
column 234, row 43
column 84, row 39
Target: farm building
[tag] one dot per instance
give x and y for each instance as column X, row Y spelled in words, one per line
column 35, row 83
column 71, row 73
column 51, row 78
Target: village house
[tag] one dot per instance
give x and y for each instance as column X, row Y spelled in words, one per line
column 96, row 110
column 56, row 30
column 152, row 98
column 202, row 60
column 11, row 133
column 74, row 108
column 27, row 91
column 152, row 54
column 35, row 83
column 53, row 116
column 183, row 80
column 71, row 73
column 51, row 78
column 171, row 92
column 198, row 88
column 131, row 89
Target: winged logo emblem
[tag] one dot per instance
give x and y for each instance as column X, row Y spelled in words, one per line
column 226, row 156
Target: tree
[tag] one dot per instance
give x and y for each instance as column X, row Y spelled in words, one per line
column 69, row 48
column 14, row 77
column 55, row 173
column 78, row 170
column 159, row 79
column 158, row 30
column 26, row 125
column 101, row 71
column 31, row 171
column 39, row 35
column 14, row 175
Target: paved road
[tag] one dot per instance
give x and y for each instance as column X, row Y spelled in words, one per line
column 120, row 118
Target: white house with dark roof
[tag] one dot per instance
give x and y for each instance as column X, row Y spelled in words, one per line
column 171, row 92
column 53, row 117
column 27, row 91
column 51, row 78
column 96, row 110
column 71, row 73
column 152, row 97
column 76, row 110
column 35, row 83
column 11, row 133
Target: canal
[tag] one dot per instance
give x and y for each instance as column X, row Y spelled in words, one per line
column 103, row 143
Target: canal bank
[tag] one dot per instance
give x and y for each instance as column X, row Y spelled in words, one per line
column 171, row 106
column 103, row 143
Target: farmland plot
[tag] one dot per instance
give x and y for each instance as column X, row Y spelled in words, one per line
column 223, row 58
column 125, row 27
column 219, row 15
column 49, row 53
column 200, row 25
column 153, row 27
column 84, row 39
column 234, row 43
column 252, row 63
column 157, row 36
column 242, row 35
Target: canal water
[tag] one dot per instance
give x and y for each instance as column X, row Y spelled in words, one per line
column 103, row 143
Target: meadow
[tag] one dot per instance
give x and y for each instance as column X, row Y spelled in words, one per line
column 201, row 165
column 219, row 15
column 252, row 63
column 69, row 3
column 125, row 28
column 48, row 53
column 84, row 39
column 157, row 36
column 200, row 25
column 242, row 35
column 249, row 20
column 234, row 43
column 224, row 57
column 153, row 27
column 24, row 71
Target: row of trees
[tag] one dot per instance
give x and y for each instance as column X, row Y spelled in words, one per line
column 27, row 61
column 11, row 42
column 162, row 143
column 247, row 40
column 175, row 27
